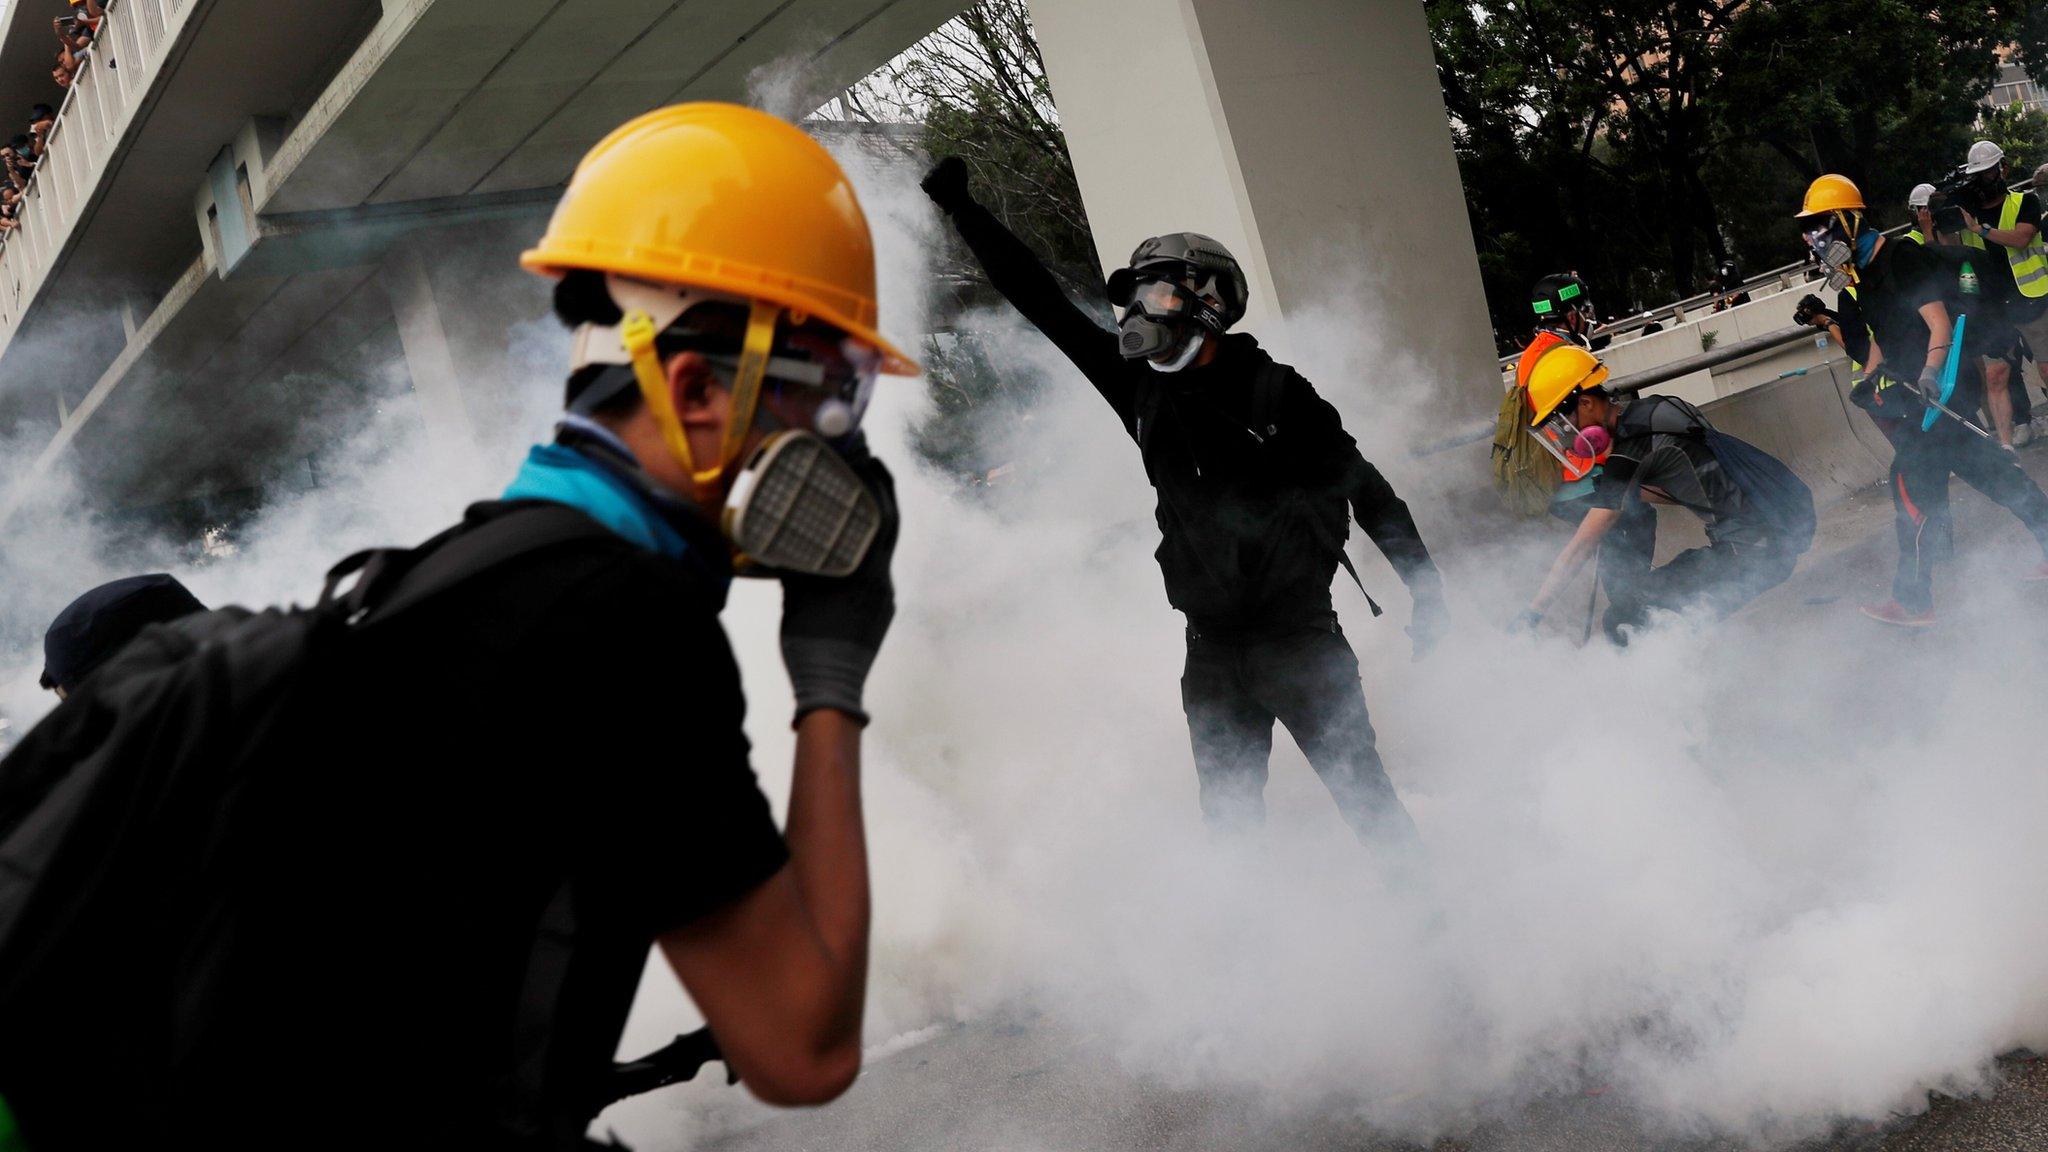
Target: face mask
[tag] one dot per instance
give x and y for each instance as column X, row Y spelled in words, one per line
column 1184, row 357
column 798, row 506
column 1830, row 247
column 1164, row 321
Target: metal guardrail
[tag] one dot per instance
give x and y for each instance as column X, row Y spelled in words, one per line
column 1637, row 381
column 112, row 77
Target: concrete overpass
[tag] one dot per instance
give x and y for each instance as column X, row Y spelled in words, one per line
column 243, row 198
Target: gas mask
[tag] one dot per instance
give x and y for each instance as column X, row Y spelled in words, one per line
column 1838, row 248
column 1166, row 321
column 795, row 504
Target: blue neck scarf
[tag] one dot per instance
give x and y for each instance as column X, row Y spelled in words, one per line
column 568, row 475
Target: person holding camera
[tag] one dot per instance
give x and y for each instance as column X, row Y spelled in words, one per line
column 2006, row 226
column 1895, row 317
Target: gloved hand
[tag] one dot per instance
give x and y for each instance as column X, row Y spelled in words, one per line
column 1525, row 623
column 832, row 627
column 1930, row 382
column 946, row 184
column 1812, row 311
column 1430, row 622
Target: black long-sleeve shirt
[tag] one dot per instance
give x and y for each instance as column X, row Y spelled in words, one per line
column 1252, row 521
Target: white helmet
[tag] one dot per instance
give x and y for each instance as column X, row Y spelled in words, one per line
column 1984, row 156
column 1920, row 195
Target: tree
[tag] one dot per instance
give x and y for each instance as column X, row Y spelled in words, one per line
column 2021, row 133
column 977, row 89
column 1639, row 141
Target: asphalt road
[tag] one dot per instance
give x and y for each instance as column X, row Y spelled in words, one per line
column 1024, row 1085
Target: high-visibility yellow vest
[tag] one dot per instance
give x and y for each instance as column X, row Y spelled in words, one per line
column 1914, row 235
column 2029, row 264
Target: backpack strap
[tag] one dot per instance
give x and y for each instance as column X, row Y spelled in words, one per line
column 393, row 581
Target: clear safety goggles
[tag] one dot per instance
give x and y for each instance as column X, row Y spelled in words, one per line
column 815, row 382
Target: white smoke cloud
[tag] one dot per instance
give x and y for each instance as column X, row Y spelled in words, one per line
column 1750, row 880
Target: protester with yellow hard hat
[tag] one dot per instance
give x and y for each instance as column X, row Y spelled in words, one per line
column 1661, row 450
column 1916, row 384
column 521, row 763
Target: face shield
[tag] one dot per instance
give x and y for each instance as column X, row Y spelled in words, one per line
column 1577, row 450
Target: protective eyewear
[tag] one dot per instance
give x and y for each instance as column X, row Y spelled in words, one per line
column 1560, row 436
column 1165, row 298
column 813, row 383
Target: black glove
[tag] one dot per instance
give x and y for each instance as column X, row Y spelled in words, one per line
column 1812, row 308
column 1525, row 624
column 1429, row 622
column 832, row 627
column 946, row 184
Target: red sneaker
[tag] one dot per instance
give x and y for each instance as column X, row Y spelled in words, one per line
column 2038, row 574
column 1893, row 613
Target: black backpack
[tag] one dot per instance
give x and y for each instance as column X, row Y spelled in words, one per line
column 110, row 809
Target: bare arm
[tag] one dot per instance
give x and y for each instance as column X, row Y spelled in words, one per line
column 781, row 974
column 1939, row 333
column 1584, row 543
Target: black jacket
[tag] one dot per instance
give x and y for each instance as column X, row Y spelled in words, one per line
column 1252, row 520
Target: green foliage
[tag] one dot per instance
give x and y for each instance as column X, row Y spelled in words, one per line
column 2021, row 133
column 1639, row 142
column 977, row 89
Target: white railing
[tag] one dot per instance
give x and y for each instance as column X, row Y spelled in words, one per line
column 112, row 77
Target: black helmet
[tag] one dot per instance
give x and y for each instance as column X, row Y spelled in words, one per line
column 1178, row 252
column 1729, row 273
column 1558, row 294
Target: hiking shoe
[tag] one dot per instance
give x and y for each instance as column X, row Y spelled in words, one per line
column 1896, row 614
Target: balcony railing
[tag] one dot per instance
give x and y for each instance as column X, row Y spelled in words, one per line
column 112, row 78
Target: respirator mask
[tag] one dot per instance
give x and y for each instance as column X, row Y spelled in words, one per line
column 1837, row 250
column 1166, row 320
column 795, row 504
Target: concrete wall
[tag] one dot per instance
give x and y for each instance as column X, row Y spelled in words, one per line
column 1320, row 115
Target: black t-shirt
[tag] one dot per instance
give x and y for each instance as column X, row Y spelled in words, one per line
column 1658, row 446
column 557, row 747
column 1901, row 279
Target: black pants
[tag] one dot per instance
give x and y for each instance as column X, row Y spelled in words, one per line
column 1719, row 578
column 1921, row 465
column 1237, row 684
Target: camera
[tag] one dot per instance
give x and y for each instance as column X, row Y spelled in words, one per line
column 1810, row 307
column 1956, row 191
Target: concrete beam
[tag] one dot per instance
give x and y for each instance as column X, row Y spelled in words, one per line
column 1324, row 161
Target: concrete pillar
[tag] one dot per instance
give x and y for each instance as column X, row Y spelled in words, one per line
column 1310, row 137
column 430, row 360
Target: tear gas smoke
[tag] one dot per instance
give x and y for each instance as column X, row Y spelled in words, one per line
column 1753, row 879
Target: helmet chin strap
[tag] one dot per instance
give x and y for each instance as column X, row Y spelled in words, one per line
column 638, row 334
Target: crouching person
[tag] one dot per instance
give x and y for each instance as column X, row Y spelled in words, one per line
column 1759, row 517
column 410, row 908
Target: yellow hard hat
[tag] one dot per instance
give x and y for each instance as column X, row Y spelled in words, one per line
column 724, row 199
column 1563, row 370
column 1831, row 193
